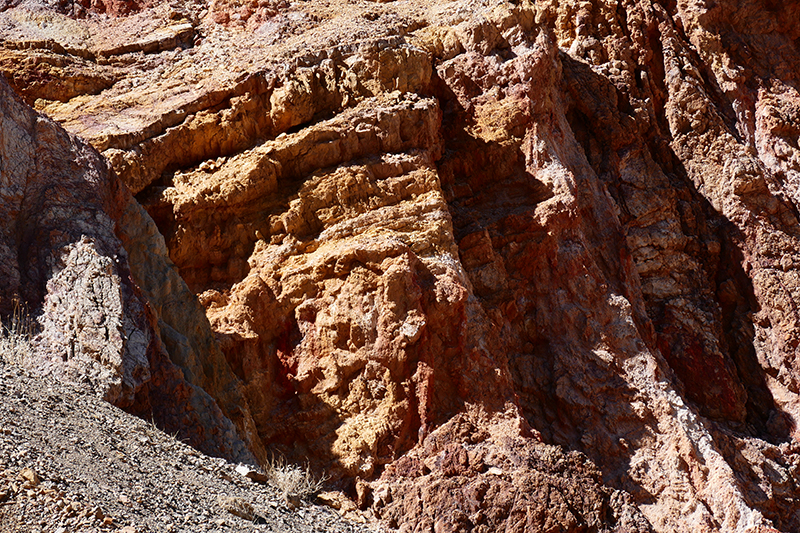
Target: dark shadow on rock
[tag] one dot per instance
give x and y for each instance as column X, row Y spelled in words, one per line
column 492, row 199
column 703, row 228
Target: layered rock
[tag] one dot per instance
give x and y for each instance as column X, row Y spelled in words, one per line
column 65, row 264
column 449, row 252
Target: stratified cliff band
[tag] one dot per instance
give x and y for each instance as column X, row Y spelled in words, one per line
column 490, row 265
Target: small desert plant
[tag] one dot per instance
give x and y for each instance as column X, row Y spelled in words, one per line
column 294, row 481
column 238, row 507
column 16, row 335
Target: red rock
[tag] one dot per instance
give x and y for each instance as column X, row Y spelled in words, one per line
column 527, row 266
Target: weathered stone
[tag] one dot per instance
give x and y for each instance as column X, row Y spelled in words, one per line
column 493, row 266
column 251, row 474
column 62, row 257
column 30, row 476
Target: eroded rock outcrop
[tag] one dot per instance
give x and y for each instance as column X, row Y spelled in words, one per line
column 493, row 266
column 63, row 260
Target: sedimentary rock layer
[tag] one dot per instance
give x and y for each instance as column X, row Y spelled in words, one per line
column 492, row 266
column 64, row 262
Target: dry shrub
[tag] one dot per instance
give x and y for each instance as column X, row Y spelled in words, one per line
column 295, row 482
column 16, row 335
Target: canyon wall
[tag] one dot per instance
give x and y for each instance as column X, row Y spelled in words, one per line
column 491, row 266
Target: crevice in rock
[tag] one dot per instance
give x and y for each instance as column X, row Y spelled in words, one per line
column 701, row 230
column 738, row 305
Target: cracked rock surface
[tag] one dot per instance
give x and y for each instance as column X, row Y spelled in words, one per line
column 490, row 265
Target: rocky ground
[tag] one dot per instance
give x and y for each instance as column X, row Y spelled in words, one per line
column 70, row 462
column 492, row 265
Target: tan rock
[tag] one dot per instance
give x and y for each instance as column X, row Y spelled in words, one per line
column 252, row 474
column 30, row 476
column 238, row 507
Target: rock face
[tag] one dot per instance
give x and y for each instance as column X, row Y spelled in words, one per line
column 62, row 257
column 492, row 266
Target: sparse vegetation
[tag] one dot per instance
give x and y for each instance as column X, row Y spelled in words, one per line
column 16, row 335
column 294, row 481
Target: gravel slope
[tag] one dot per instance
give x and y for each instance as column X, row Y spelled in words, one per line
column 71, row 462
